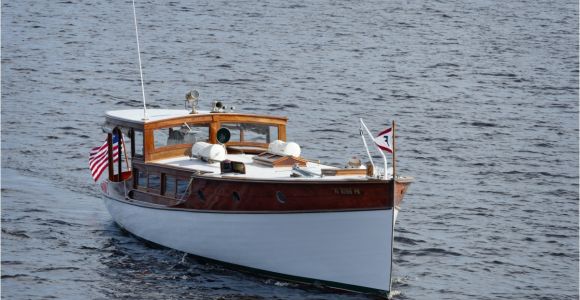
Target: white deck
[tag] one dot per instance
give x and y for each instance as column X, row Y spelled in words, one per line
column 254, row 170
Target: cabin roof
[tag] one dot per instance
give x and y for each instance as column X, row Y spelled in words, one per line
column 136, row 115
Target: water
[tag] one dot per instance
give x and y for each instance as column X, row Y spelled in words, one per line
column 485, row 94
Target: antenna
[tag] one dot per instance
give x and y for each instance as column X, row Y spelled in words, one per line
column 140, row 68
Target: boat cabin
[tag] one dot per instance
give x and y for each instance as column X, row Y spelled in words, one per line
column 171, row 133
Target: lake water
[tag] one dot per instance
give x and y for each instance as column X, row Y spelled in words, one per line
column 485, row 95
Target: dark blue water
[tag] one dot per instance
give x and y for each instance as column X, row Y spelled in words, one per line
column 485, row 94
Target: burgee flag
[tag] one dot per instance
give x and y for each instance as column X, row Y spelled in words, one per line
column 99, row 157
column 385, row 140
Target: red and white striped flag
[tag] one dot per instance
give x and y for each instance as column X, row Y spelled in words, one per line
column 99, row 157
column 385, row 140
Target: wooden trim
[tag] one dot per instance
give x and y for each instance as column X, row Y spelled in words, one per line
column 246, row 149
column 282, row 132
column 276, row 160
column 169, row 170
column 214, row 122
column 205, row 211
column 343, row 172
column 183, row 150
column 213, row 129
column 301, row 196
column 247, row 118
column 248, row 144
column 214, row 117
column 178, row 121
column 148, row 143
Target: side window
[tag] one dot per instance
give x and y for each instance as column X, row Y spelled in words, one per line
column 154, row 182
column 128, row 145
column 141, row 178
column 258, row 133
column 182, row 187
column 201, row 132
column 137, row 144
column 248, row 132
column 169, row 186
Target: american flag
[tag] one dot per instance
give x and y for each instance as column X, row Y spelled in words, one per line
column 99, row 157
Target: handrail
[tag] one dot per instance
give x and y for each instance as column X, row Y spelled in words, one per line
column 378, row 149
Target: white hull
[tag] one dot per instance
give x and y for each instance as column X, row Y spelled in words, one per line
column 349, row 250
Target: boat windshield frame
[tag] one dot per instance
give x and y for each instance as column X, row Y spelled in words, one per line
column 214, row 122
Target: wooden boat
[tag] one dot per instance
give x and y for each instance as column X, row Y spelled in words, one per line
column 256, row 207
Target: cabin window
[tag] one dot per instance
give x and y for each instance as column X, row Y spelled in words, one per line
column 127, row 144
column 141, row 178
column 137, row 143
column 154, row 182
column 281, row 197
column 236, row 197
column 180, row 135
column 201, row 195
column 249, row 132
column 169, row 185
column 182, row 185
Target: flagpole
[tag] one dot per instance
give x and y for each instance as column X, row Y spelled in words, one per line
column 110, row 155
column 394, row 210
column 394, row 162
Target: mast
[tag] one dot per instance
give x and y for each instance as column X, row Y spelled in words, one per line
column 140, row 67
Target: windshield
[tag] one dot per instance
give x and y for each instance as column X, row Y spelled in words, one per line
column 184, row 134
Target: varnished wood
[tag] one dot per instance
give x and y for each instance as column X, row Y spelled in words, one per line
column 300, row 196
column 246, row 149
column 276, row 161
column 168, row 170
column 174, row 151
column 200, row 118
column 214, row 122
column 246, row 118
column 282, row 132
column 343, row 172
column 178, row 121
column 247, row 144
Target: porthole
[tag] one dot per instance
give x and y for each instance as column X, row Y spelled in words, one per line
column 236, row 197
column 280, row 197
column 201, row 196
